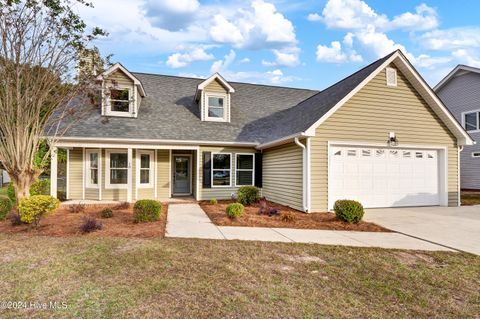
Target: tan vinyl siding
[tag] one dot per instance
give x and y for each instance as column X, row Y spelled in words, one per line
column 215, row 87
column 283, row 175
column 369, row 116
column 163, row 174
column 75, row 177
column 120, row 78
column 220, row 192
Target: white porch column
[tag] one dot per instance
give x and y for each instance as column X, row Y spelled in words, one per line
column 53, row 172
column 129, row 175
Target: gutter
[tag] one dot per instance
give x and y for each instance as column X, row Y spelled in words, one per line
column 306, row 172
column 283, row 140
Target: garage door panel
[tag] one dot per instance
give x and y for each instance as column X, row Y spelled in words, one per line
column 382, row 177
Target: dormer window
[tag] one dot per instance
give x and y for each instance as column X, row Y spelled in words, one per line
column 120, row 100
column 216, row 107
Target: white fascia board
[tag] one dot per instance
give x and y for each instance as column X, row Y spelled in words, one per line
column 118, row 66
column 218, row 77
column 283, row 140
column 452, row 74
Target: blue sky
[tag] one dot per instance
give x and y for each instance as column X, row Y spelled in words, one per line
column 305, row 43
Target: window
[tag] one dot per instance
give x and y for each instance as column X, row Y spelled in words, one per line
column 120, row 100
column 244, row 170
column 475, row 154
column 117, row 169
column 145, row 169
column 216, row 107
column 92, row 169
column 419, row 154
column 221, row 169
column 407, row 154
column 352, row 153
column 471, row 121
column 391, row 75
column 366, row 153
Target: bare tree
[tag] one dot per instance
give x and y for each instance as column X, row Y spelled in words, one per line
column 41, row 45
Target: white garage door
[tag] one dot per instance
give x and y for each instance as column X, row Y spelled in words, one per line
column 384, row 177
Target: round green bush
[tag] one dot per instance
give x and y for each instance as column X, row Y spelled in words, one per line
column 5, row 206
column 248, row 195
column 213, row 201
column 40, row 187
column 348, row 210
column 235, row 210
column 147, row 210
column 106, row 213
column 33, row 208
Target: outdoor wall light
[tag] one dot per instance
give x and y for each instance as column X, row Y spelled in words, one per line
column 392, row 139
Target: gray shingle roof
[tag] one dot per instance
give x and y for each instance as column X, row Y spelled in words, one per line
column 259, row 113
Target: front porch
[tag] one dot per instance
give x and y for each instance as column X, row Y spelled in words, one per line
column 116, row 173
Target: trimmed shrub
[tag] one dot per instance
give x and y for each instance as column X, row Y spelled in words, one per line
column 288, row 217
column 40, row 187
column 272, row 212
column 147, row 210
column 90, row 224
column 248, row 195
column 34, row 208
column 11, row 192
column 235, row 210
column 263, row 208
column 348, row 210
column 5, row 206
column 106, row 213
column 15, row 219
column 213, row 201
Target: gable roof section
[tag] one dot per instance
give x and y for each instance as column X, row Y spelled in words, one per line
column 216, row 76
column 458, row 69
column 304, row 118
column 118, row 66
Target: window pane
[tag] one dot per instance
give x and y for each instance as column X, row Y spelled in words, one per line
column 118, row 176
column 94, row 176
column 221, row 178
column 215, row 112
column 116, row 94
column 221, row 161
column 471, row 121
column 145, row 176
column 215, row 101
column 244, row 161
column 118, row 160
column 120, row 106
column 244, row 178
column 93, row 160
column 144, row 161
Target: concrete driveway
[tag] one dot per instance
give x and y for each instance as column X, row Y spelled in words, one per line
column 454, row 227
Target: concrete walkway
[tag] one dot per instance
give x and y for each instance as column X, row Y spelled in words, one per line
column 190, row 221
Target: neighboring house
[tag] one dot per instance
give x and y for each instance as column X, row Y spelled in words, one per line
column 380, row 136
column 460, row 92
column 4, row 178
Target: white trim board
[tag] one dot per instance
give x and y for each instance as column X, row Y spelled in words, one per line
column 118, row 66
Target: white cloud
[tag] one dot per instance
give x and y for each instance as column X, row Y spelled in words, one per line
column 288, row 57
column 224, row 31
column 172, row 15
column 428, row 62
column 379, row 43
column 467, row 57
column 314, row 17
column 245, row 60
column 351, row 14
column 425, row 18
column 180, row 60
column 335, row 54
column 348, row 39
column 222, row 65
column 451, row 39
column 275, row 77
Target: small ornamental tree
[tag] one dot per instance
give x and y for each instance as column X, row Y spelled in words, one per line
column 41, row 45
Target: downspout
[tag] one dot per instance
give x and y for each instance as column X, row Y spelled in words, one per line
column 459, row 199
column 305, row 166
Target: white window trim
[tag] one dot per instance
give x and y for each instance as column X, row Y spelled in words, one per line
column 218, row 169
column 476, row 154
column 225, row 107
column 387, row 70
column 464, row 114
column 151, row 169
column 244, row 169
column 108, row 105
column 88, row 184
column 107, row 170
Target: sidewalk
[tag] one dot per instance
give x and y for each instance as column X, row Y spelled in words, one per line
column 190, row 221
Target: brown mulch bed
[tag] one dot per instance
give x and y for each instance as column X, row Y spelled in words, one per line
column 252, row 218
column 64, row 223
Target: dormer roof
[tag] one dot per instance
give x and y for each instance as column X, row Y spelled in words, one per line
column 118, row 66
column 216, row 76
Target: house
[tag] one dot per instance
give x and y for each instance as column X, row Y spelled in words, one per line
column 4, row 178
column 460, row 92
column 380, row 136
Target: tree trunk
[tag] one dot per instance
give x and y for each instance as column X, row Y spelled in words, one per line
column 22, row 183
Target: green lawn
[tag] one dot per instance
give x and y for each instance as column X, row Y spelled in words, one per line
column 174, row 278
